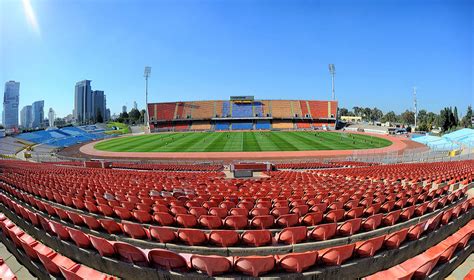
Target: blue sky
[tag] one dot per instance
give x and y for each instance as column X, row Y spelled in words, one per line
column 214, row 49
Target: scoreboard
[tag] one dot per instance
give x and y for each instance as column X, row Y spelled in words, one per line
column 242, row 99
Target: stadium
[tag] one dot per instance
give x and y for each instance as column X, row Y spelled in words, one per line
column 237, row 189
column 236, row 159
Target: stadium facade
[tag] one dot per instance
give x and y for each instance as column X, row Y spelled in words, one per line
column 242, row 113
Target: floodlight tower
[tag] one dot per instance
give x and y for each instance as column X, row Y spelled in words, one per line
column 415, row 105
column 332, row 71
column 146, row 75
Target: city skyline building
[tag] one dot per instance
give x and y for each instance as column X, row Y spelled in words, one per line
column 37, row 109
column 26, row 117
column 11, row 102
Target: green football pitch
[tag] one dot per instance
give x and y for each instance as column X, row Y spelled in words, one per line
column 242, row 142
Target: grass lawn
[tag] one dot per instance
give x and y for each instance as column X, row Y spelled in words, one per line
column 122, row 128
column 242, row 142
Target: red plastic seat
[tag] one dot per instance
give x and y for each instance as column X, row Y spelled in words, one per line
column 239, row 212
column 259, row 211
column 192, row 236
column 334, row 216
column 292, row 235
column 349, row 227
column 163, row 219
column 176, row 210
column 224, row 238
column 323, row 231
column 421, row 209
column 105, row 210
column 165, row 259
column 135, row 230
column 103, row 246
column 79, row 237
column 336, row 255
column 297, row 262
column 59, row 230
column 218, row 211
column 372, row 209
column 391, row 218
column 34, row 248
column 420, row 265
column 122, row 213
column 393, row 240
column 369, row 247
column 433, row 222
column 300, row 210
column 256, row 237
column 198, row 211
column 210, row 264
column 162, row 234
column 75, row 218
column 372, row 222
column 254, row 265
column 414, row 232
column 62, row 214
column 278, row 211
column 91, row 222
column 311, row 219
column 210, row 222
column 5, row 271
column 186, row 220
column 387, row 206
column 287, row 220
column 355, row 212
column 236, row 222
column 142, row 216
column 53, row 261
column 79, row 271
column 407, row 213
column 110, row 226
column 131, row 254
column 262, row 221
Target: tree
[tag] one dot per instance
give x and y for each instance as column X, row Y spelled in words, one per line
column 408, row 117
column 343, row 112
column 376, row 114
column 357, row 111
column 134, row 115
column 456, row 116
column 466, row 120
column 390, row 117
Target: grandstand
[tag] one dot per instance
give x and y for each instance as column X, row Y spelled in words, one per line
column 242, row 113
column 63, row 137
column 448, row 142
column 319, row 221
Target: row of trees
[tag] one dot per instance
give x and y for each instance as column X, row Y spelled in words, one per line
column 133, row 117
column 448, row 119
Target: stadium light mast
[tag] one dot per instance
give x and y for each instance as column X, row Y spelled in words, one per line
column 146, row 75
column 415, row 105
column 332, row 71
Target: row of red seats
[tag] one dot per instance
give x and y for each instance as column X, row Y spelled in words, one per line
column 55, row 263
column 421, row 265
column 227, row 238
column 5, row 271
column 122, row 209
column 434, row 172
column 322, row 165
column 251, row 265
column 168, row 167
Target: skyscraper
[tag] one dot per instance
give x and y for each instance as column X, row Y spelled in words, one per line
column 124, row 109
column 37, row 113
column 98, row 105
column 11, row 101
column 83, row 102
column 26, row 116
column 51, row 117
